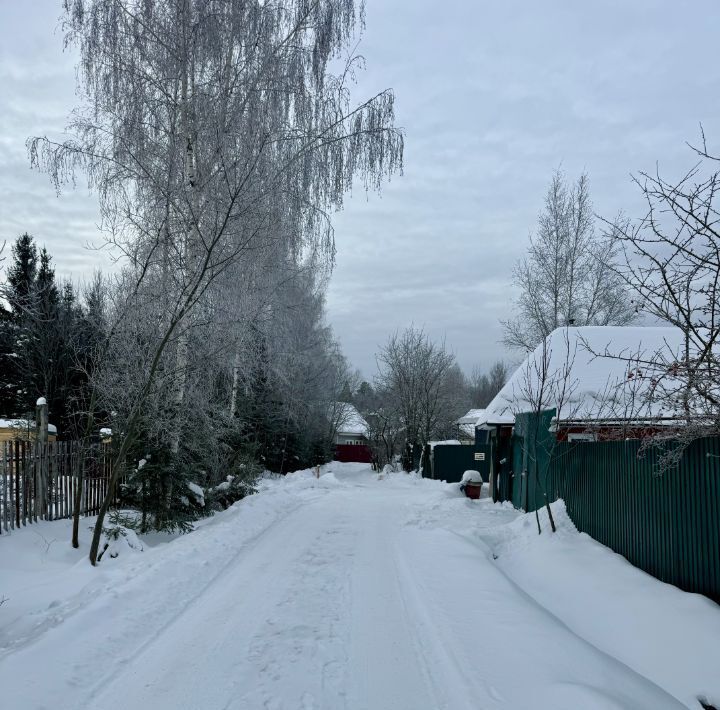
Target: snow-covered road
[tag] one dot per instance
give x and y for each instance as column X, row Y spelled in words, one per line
column 343, row 593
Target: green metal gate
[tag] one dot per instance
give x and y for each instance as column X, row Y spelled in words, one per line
column 450, row 461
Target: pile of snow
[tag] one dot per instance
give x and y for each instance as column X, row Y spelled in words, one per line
column 307, row 478
column 587, row 374
column 119, row 539
column 471, row 477
column 661, row 632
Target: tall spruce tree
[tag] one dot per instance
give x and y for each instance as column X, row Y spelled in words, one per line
column 22, row 273
column 45, row 337
column 17, row 336
column 8, row 380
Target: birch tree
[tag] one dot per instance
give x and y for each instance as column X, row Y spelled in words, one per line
column 415, row 372
column 208, row 129
column 567, row 278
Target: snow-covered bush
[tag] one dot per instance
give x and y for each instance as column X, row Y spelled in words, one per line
column 197, row 493
column 118, row 539
column 231, row 490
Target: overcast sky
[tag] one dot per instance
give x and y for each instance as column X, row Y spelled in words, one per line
column 493, row 96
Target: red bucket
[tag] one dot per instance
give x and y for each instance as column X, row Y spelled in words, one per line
column 472, row 490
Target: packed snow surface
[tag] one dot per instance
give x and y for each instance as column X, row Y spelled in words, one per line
column 346, row 593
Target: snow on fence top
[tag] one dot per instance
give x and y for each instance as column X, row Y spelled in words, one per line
column 587, row 373
column 24, row 424
column 447, row 442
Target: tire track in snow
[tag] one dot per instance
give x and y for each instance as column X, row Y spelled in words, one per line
column 307, row 629
column 456, row 683
column 390, row 667
column 133, row 654
column 256, row 638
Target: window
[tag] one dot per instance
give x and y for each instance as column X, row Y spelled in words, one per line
column 582, row 436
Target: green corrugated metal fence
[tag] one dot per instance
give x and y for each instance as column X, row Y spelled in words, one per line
column 449, row 462
column 668, row 525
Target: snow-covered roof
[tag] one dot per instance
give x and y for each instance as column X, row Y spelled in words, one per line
column 26, row 424
column 471, row 417
column 351, row 421
column 467, row 422
column 588, row 374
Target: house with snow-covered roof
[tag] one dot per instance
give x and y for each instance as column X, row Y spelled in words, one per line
column 352, row 427
column 593, row 376
column 351, row 438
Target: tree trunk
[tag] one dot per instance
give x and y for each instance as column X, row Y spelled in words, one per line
column 235, row 384
column 41, row 459
column 550, row 515
column 79, row 474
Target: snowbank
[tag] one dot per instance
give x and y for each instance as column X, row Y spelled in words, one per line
column 663, row 633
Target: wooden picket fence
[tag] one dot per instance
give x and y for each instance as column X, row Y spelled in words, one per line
column 38, row 481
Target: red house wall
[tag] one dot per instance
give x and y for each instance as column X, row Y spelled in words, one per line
column 353, row 453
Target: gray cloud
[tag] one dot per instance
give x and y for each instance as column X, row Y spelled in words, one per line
column 493, row 97
column 37, row 81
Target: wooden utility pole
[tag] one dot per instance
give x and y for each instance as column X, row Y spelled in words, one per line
column 41, row 459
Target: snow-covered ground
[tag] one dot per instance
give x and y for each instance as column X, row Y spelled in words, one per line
column 349, row 592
